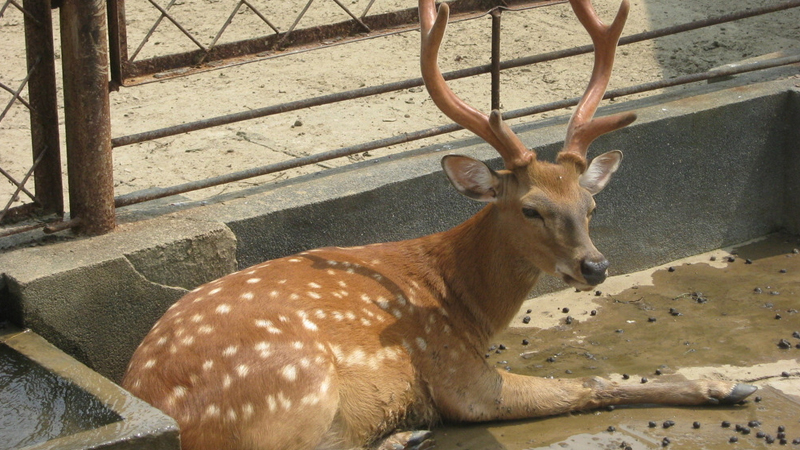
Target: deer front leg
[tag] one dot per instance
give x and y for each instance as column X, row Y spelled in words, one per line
column 498, row 395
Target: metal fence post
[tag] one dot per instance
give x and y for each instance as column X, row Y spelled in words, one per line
column 87, row 115
column 44, row 109
column 497, row 14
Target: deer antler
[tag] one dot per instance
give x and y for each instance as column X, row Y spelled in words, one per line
column 582, row 128
column 491, row 129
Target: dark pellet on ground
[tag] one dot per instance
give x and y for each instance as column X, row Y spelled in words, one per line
column 564, row 310
column 671, row 269
column 783, row 343
column 726, row 424
column 777, row 316
column 652, row 424
column 695, row 425
column 658, row 372
column 757, row 399
column 486, row 355
column 611, row 429
column 713, row 258
column 795, row 441
column 551, row 359
column 733, row 439
column 644, row 380
column 525, row 342
column 668, row 423
column 593, row 313
column 651, row 319
column 526, row 319
column 568, row 320
column 618, row 330
column 781, row 429
column 665, row 442
column 783, row 442
column 568, row 372
column 769, row 439
column 781, row 435
column 598, row 293
column 785, row 374
column 748, row 261
column 745, row 430
column 625, row 376
column 754, row 424
column 610, row 408
column 757, row 290
column 761, row 435
column 782, row 271
column 501, row 347
column 730, row 259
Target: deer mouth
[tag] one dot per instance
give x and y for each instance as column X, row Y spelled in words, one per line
column 577, row 284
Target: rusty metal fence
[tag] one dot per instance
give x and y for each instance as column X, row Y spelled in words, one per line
column 92, row 68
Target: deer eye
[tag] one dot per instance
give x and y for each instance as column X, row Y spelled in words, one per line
column 531, row 213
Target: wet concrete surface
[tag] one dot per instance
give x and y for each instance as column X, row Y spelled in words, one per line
column 714, row 318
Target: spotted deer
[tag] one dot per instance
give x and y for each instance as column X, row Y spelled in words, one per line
column 355, row 347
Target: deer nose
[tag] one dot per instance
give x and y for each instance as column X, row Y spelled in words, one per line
column 594, row 272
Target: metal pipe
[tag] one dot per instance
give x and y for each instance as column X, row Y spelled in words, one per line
column 496, row 16
column 86, row 115
column 43, row 106
column 129, row 199
column 415, row 82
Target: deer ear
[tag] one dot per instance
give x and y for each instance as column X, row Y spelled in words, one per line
column 600, row 170
column 472, row 178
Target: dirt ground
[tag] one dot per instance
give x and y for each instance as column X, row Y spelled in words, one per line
column 202, row 154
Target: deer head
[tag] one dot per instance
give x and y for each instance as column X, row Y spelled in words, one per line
column 547, row 206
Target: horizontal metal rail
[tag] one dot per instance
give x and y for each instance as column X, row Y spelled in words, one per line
column 453, row 75
column 153, row 194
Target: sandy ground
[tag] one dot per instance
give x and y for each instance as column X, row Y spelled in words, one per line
column 370, row 62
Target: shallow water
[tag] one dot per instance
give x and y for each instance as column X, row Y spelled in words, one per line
column 718, row 318
column 38, row 405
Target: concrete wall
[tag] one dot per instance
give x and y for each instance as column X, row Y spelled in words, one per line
column 700, row 172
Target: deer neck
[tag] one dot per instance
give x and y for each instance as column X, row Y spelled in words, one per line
column 485, row 278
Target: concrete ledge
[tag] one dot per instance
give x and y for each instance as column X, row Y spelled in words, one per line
column 700, row 172
column 134, row 423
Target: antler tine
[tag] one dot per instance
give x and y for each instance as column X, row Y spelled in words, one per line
column 494, row 131
column 582, row 128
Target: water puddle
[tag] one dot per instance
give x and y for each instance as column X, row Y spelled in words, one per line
column 38, row 405
column 710, row 319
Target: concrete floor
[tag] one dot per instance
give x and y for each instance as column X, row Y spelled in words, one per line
column 732, row 332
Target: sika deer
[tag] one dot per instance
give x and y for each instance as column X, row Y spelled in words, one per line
column 341, row 347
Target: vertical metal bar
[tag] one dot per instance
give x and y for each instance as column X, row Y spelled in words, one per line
column 117, row 42
column 496, row 15
column 84, row 51
column 43, row 105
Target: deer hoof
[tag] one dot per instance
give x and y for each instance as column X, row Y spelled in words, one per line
column 409, row 440
column 738, row 393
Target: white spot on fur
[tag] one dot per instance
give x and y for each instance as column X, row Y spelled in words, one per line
column 421, row 343
column 297, row 344
column 214, row 291
column 269, row 326
column 304, row 363
column 314, row 295
column 295, row 260
column 242, row 370
column 188, row 340
column 271, row 403
column 365, row 322
column 309, row 400
column 401, row 300
column 208, row 364
column 161, row 341
column 263, row 349
column 284, row 401
column 253, row 280
column 226, row 382
column 223, row 308
column 289, row 372
column 382, row 303
column 293, row 296
column 205, row 329
column 248, row 296
column 197, row 318
column 313, row 285
column 231, row 415
column 283, row 319
column 248, row 410
column 230, row 350
column 150, row 363
column 212, row 411
column 330, row 271
column 377, row 277
column 319, row 314
column 397, row 313
column 342, row 283
column 350, row 315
